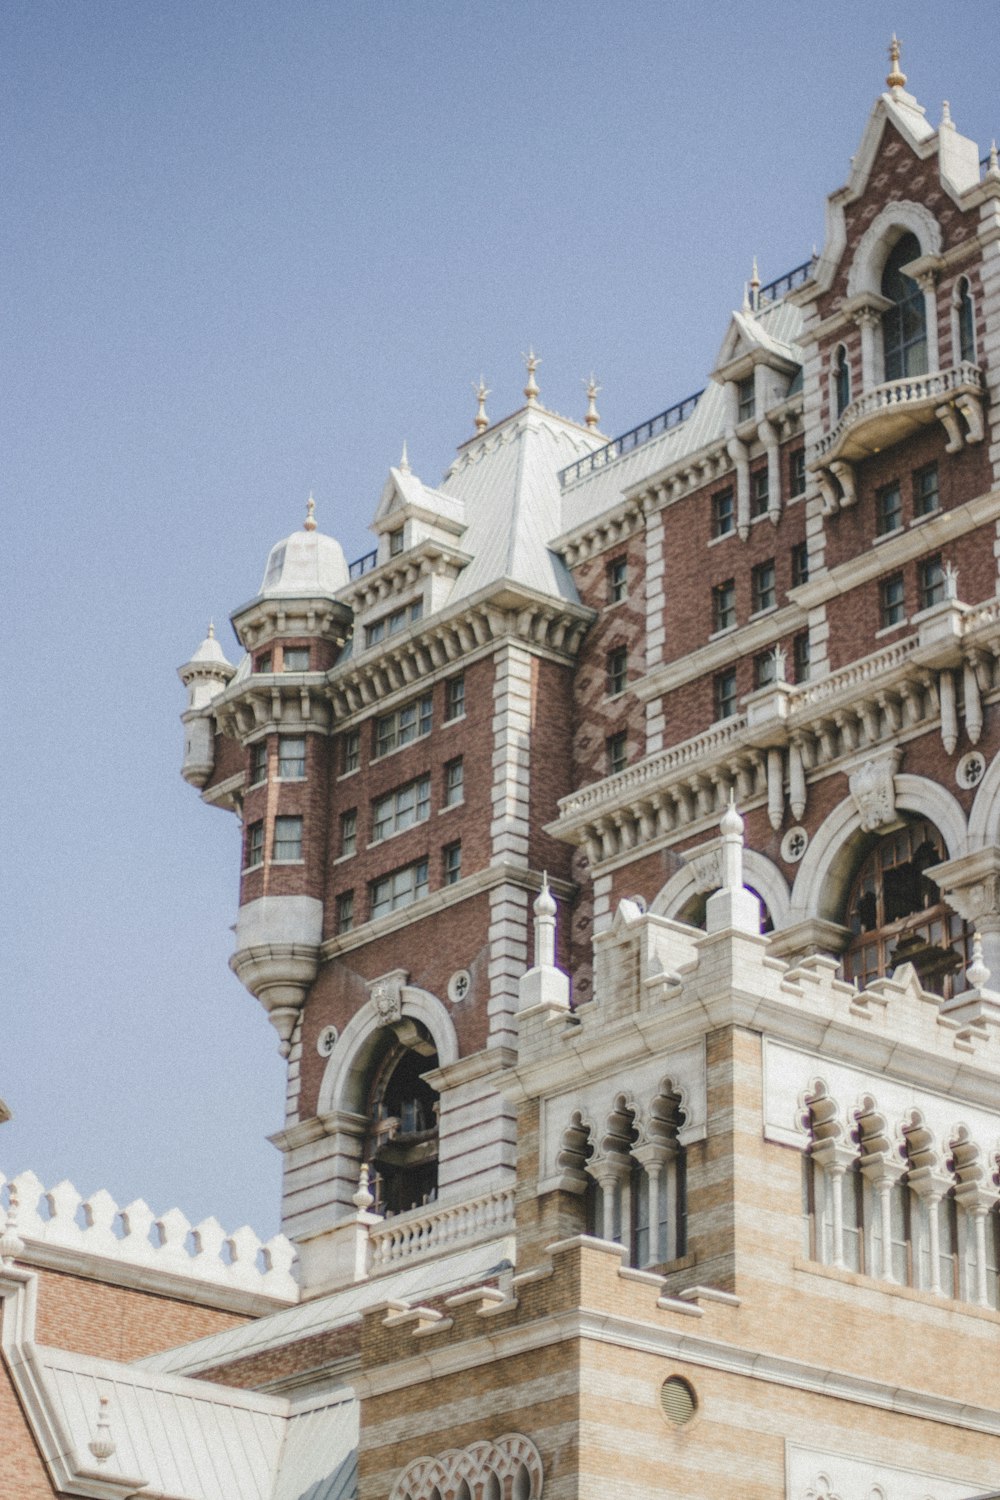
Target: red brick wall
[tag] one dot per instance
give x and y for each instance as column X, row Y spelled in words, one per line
column 116, row 1322
column 595, row 716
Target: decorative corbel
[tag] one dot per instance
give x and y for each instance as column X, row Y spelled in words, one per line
column 737, row 451
column 768, row 435
column 845, row 474
column 948, row 417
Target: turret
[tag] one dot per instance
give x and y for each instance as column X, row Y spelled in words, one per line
column 205, row 676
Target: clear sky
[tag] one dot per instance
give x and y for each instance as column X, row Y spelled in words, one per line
column 249, row 247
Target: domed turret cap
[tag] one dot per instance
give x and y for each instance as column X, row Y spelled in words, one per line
column 306, row 564
column 209, row 651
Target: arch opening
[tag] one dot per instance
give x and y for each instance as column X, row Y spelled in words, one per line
column 401, row 1140
column 904, row 324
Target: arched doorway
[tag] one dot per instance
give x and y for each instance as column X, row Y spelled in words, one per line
column 896, row 915
column 401, row 1144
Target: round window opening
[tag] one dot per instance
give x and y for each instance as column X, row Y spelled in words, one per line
column 678, row 1400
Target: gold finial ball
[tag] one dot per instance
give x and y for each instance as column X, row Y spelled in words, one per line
column 310, row 521
column 482, row 420
column 896, row 78
column 532, row 362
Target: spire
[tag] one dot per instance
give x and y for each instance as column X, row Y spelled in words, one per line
column 593, row 416
column 947, row 123
column 404, row 462
column 895, row 78
column 733, row 907
column 532, row 362
column 731, row 829
column 545, row 926
column 211, row 631
column 993, row 170
column 544, row 986
column 309, row 523
column 755, row 286
column 482, row 420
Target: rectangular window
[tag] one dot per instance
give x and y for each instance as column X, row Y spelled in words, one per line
column 617, row 580
column 401, row 808
column 345, row 911
column 401, row 888
column 452, row 863
column 258, row 762
column 403, row 725
column 763, row 669
column 888, row 510
column 725, row 693
column 392, row 623
column 762, row 587
column 724, row 605
column 348, row 831
column 454, row 698
column 454, row 783
column 931, row 581
column 264, row 662
column 617, row 752
column 617, row 671
column 295, row 659
column 892, row 600
column 396, row 542
column 746, row 397
column 287, row 839
column 255, row 845
column 926, row 494
column 800, row 656
column 723, row 513
column 291, row 757
column 797, row 472
column 800, row 564
column 758, row 493
column 351, row 753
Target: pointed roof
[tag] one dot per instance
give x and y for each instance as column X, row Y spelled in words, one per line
column 749, row 333
column 508, row 482
column 404, row 491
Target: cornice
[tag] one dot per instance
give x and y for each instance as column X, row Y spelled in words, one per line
column 744, row 641
column 430, row 557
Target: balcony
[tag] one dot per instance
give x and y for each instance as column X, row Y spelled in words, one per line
column 889, row 413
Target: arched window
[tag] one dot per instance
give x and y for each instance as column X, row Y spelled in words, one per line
column 966, row 321
column 896, row 914
column 904, row 324
column 841, row 380
column 402, row 1139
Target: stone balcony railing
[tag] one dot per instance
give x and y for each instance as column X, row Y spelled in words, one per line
column 887, row 413
column 63, row 1229
column 421, row 1232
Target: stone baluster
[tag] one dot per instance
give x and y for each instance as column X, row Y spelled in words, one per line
column 867, row 321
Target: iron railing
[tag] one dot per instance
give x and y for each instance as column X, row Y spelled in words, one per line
column 634, row 438
column 775, row 290
column 362, row 565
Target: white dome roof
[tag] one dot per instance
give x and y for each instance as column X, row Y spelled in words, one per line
column 305, row 564
column 209, row 651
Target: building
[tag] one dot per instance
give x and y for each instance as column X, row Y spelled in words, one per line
column 621, row 874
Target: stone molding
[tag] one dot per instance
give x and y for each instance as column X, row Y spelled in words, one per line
column 441, row 1477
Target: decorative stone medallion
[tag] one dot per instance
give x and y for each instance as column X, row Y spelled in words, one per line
column 459, row 986
column 794, row 845
column 971, row 769
column 327, row 1040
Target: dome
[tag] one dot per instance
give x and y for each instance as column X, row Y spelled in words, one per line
column 209, row 652
column 307, row 563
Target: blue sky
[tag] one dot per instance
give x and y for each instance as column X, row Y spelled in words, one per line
column 249, row 248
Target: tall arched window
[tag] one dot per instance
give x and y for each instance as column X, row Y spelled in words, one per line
column 904, row 324
column 896, row 913
column 402, row 1140
column 966, row 322
column 841, row 380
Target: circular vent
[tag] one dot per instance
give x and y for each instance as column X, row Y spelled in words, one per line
column 678, row 1401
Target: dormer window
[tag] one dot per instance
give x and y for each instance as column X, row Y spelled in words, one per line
column 396, row 542
column 390, row 624
column 841, row 381
column 746, row 398
column 904, row 324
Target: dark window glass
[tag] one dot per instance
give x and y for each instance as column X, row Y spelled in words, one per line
column 931, row 581
column 888, row 510
column 396, row 542
column 763, row 591
column 904, row 325
column 926, row 497
column 291, row 757
column 841, row 380
column 797, row 472
column 452, row 863
column 723, row 513
column 255, row 845
column 352, row 750
column 800, row 653
column 966, row 324
column 258, row 762
column 617, row 670
column 454, row 698
column 454, row 782
column 892, row 600
column 617, row 752
column 617, row 580
column 349, row 831
column 404, row 725
column 800, row 564
column 758, row 493
column 724, row 605
column 345, row 911
column 763, row 669
column 746, row 397
column 295, row 659
column 725, row 693
column 287, row 838
column 263, row 662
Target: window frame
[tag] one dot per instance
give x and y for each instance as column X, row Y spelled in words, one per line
column 257, row 773
column 253, row 853
column 350, row 755
column 345, row 912
column 724, row 693
column 454, row 698
column 453, row 784
column 616, row 752
column 723, row 606
column 763, row 587
column 746, row 398
column 391, row 809
column 921, row 495
column 397, row 731
column 888, row 517
column 348, row 833
column 616, row 668
column 800, row 564
column 451, row 863
column 289, row 662
column 401, row 896
column 283, row 823
column 801, row 656
column 616, row 575
column 797, row 473
column 931, row 581
column 284, row 759
column 724, row 512
column 892, row 610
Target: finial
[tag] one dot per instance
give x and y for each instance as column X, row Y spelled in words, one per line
column 754, row 286
column 977, row 973
column 545, row 906
column 482, row 420
column 947, row 123
column 731, row 826
column 896, row 78
column 404, row 462
column 780, row 656
column 363, row 1198
column 993, row 170
column 211, row 630
column 102, row 1445
column 310, row 521
column 950, row 580
column 11, row 1243
column 545, row 927
column 593, row 416
column 532, row 362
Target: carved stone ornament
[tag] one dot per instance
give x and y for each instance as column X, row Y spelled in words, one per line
column 387, row 995
column 326, row 1041
column 971, row 769
column 873, row 788
column 512, row 1462
column 706, row 869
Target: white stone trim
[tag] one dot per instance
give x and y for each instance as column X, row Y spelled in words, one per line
column 758, row 871
column 814, row 1473
column 875, row 244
